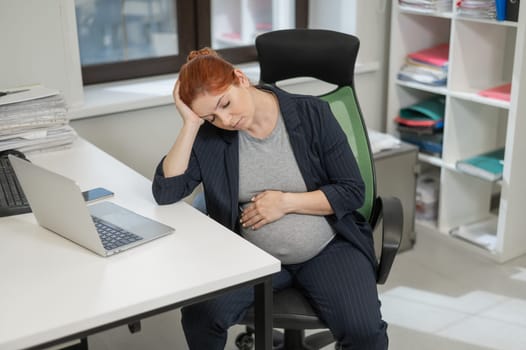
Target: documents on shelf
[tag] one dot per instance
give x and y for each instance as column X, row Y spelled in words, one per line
column 422, row 123
column 34, row 119
column 477, row 8
column 512, row 10
column 483, row 233
column 426, row 6
column 437, row 55
column 428, row 66
column 487, row 166
column 501, row 92
column 429, row 112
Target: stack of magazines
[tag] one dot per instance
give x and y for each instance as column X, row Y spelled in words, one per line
column 477, row 8
column 426, row 6
column 34, row 119
column 428, row 66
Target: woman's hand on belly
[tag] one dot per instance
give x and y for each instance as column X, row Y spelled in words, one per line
column 269, row 206
column 264, row 208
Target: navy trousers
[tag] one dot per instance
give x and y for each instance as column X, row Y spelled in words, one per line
column 340, row 284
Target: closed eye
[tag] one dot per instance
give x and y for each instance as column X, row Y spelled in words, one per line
column 226, row 105
column 210, row 118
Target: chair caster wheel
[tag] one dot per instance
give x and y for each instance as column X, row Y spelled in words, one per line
column 245, row 341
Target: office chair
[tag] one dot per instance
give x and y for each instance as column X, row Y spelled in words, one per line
column 328, row 56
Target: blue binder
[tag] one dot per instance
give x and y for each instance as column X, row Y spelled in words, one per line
column 500, row 6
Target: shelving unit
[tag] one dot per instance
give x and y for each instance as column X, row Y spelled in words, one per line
column 482, row 53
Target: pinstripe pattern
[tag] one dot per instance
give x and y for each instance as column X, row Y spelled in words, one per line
column 344, row 297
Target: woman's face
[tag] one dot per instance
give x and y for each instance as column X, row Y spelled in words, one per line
column 232, row 109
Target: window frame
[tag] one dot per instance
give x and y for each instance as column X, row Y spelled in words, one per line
column 189, row 40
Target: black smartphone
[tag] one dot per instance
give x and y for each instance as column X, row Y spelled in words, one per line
column 96, row 193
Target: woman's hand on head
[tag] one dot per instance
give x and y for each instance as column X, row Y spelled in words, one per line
column 188, row 115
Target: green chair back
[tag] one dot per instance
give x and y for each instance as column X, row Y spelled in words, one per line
column 346, row 110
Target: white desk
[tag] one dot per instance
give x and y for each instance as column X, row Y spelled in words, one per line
column 52, row 290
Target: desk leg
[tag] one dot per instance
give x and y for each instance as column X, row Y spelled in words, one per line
column 263, row 314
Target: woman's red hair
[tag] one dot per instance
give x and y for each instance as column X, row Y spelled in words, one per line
column 204, row 72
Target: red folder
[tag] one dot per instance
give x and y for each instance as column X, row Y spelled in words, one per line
column 437, row 55
column 501, row 92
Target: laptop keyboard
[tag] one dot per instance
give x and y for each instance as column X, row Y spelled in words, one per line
column 112, row 236
column 12, row 198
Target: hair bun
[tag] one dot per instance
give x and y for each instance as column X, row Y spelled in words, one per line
column 205, row 51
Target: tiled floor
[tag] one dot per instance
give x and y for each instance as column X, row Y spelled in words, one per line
column 442, row 296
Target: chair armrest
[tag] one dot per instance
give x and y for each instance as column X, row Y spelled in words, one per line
column 392, row 228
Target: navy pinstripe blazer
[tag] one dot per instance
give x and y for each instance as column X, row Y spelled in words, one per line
column 322, row 152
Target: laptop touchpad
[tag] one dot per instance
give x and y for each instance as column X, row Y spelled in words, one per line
column 121, row 217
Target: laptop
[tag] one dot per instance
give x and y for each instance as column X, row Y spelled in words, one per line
column 58, row 205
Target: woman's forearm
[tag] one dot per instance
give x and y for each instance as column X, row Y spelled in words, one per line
column 311, row 203
column 177, row 159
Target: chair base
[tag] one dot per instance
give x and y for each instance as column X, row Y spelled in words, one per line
column 291, row 339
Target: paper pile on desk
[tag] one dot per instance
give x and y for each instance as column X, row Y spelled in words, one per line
column 380, row 141
column 34, row 120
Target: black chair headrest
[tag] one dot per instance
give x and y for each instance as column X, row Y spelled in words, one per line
column 323, row 54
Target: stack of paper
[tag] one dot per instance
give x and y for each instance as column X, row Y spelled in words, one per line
column 477, row 8
column 427, row 6
column 33, row 120
column 380, row 141
column 428, row 66
column 482, row 233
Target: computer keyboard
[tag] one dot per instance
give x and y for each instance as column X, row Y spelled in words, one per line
column 112, row 236
column 12, row 198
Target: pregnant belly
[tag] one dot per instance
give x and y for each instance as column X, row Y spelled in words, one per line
column 293, row 239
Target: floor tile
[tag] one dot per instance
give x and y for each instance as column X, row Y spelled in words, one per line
column 472, row 302
column 418, row 316
column 512, row 311
column 487, row 332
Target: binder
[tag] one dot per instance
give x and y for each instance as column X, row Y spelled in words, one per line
column 501, row 92
column 512, row 10
column 500, row 7
column 487, row 166
column 429, row 112
column 437, row 55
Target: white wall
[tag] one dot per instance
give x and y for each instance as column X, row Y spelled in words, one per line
column 369, row 21
column 38, row 46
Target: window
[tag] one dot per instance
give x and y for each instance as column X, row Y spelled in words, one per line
column 124, row 39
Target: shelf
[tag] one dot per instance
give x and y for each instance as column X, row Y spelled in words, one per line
column 483, row 53
column 468, row 96
column 433, row 160
column 439, row 90
column 487, row 21
column 475, row 97
column 438, row 162
column 482, row 233
column 426, row 13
